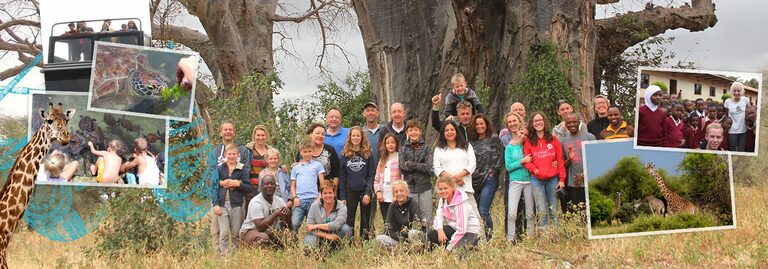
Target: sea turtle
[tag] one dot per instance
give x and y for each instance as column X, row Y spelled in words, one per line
column 118, row 87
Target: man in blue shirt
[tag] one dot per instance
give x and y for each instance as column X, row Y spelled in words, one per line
column 335, row 135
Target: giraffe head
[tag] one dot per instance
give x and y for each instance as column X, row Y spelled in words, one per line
column 650, row 166
column 55, row 120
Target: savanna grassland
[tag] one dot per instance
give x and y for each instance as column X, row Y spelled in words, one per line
column 567, row 246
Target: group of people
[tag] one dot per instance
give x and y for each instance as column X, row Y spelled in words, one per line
column 83, row 48
column 338, row 170
column 143, row 169
column 699, row 124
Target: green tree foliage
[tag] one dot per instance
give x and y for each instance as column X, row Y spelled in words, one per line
column 619, row 75
column 349, row 95
column 753, row 83
column 661, row 85
column 630, row 177
column 707, row 179
column 239, row 108
column 545, row 81
column 600, row 207
column 725, row 96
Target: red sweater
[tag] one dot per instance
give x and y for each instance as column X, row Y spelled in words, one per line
column 651, row 130
column 692, row 137
column 544, row 153
column 674, row 132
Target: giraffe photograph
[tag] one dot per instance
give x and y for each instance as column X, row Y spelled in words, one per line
column 103, row 149
column 698, row 110
column 642, row 192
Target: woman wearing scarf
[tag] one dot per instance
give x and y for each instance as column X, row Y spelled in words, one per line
column 651, row 118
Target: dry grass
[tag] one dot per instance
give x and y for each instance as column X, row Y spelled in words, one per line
column 746, row 246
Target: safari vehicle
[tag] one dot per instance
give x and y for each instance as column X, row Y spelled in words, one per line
column 70, row 54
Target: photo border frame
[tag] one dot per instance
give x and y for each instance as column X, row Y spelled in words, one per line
column 86, row 184
column 696, row 71
column 98, row 44
column 623, row 235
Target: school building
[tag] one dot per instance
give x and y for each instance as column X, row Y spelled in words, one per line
column 693, row 86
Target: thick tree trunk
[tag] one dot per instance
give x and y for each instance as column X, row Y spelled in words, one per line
column 414, row 47
column 238, row 42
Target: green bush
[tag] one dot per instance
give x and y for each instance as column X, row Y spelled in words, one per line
column 630, row 177
column 661, row 85
column 600, row 207
column 136, row 224
column 672, row 222
column 544, row 81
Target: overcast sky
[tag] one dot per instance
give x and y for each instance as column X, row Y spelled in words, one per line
column 734, row 44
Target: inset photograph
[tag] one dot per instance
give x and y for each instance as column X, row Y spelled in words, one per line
column 104, row 149
column 698, row 110
column 633, row 192
column 142, row 81
column 70, row 29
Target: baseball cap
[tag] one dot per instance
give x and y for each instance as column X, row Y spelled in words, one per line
column 370, row 104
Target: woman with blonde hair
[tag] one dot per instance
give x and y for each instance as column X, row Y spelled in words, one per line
column 456, row 224
column 403, row 219
column 356, row 177
column 519, row 179
column 282, row 179
column 258, row 147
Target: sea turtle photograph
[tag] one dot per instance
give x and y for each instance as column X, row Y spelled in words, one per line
column 141, row 81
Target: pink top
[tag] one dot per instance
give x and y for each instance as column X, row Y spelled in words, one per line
column 385, row 186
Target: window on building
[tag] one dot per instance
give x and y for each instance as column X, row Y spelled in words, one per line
column 672, row 86
column 697, row 88
column 712, row 91
column 645, row 80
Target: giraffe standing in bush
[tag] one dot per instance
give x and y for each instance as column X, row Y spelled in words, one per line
column 675, row 203
column 17, row 190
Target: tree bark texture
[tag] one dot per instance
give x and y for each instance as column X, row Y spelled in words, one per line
column 237, row 42
column 414, row 47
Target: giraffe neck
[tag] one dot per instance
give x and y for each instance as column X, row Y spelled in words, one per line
column 41, row 141
column 668, row 194
column 30, row 156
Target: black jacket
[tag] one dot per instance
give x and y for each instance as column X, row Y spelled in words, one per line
column 416, row 165
column 400, row 217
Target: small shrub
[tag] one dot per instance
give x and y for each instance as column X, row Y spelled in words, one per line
column 600, row 207
column 673, row 222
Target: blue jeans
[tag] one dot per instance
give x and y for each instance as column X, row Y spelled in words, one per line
column 311, row 240
column 545, row 199
column 299, row 213
column 484, row 199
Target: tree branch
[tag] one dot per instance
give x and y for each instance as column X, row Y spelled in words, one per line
column 29, row 49
column 15, row 22
column 191, row 38
column 153, row 8
column 13, row 71
column 311, row 12
column 605, row 2
column 618, row 33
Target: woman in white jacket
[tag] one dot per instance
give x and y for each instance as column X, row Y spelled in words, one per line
column 454, row 158
column 455, row 225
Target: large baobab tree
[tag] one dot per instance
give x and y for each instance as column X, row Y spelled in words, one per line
column 414, row 46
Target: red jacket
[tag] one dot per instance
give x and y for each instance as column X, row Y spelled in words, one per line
column 544, row 153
